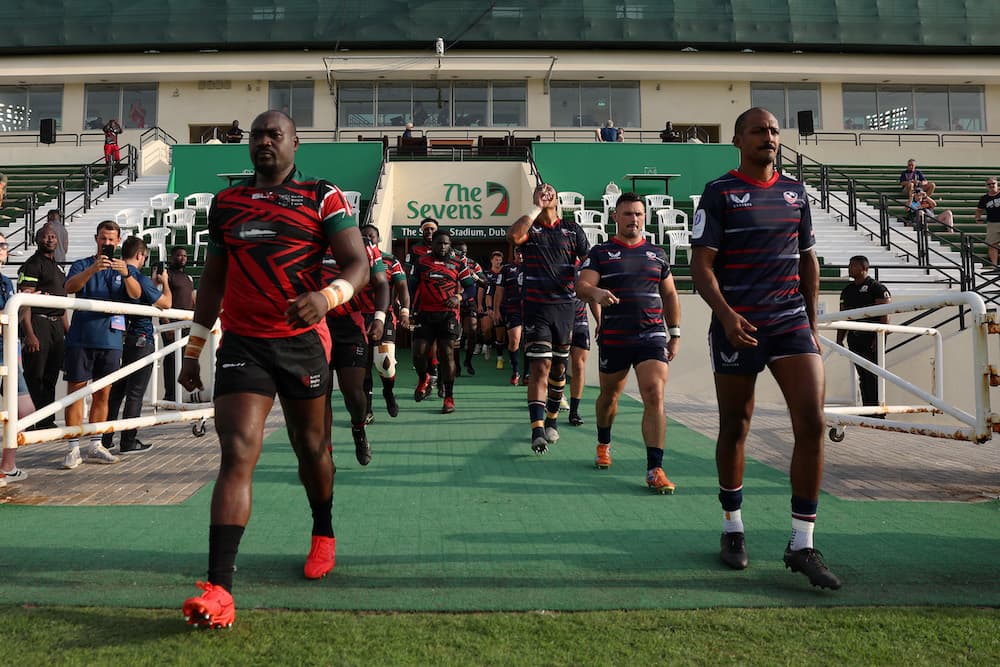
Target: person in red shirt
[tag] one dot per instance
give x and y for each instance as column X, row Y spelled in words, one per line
column 267, row 238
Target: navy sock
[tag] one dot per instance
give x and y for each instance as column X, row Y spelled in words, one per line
column 515, row 365
column 803, row 509
column 604, row 435
column 654, row 458
column 223, row 544
column 731, row 499
column 322, row 514
column 574, row 406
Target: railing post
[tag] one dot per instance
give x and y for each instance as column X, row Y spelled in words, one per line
column 799, row 167
column 967, row 274
column 61, row 195
column 852, row 203
column 824, row 187
column 30, row 219
column 883, row 221
column 88, row 185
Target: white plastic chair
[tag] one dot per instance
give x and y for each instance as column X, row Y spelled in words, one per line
column 199, row 201
column 587, row 218
column 181, row 218
column 609, row 200
column 200, row 239
column 353, row 198
column 655, row 203
column 571, row 201
column 157, row 239
column 161, row 203
column 679, row 239
column 133, row 220
column 595, row 235
column 670, row 218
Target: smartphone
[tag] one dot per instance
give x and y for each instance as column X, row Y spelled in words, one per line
column 158, row 267
column 108, row 251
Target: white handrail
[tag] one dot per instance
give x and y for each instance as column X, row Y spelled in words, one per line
column 14, row 427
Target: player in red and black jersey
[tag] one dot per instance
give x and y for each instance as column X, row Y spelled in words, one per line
column 440, row 277
column 398, row 315
column 423, row 247
column 355, row 327
column 264, row 271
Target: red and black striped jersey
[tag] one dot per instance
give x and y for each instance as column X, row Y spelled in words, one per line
column 363, row 301
column 438, row 280
column 274, row 239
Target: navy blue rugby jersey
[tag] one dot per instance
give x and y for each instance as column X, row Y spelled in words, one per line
column 632, row 273
column 758, row 230
column 550, row 258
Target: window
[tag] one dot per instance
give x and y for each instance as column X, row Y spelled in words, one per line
column 786, row 100
column 592, row 103
column 295, row 98
column 133, row 104
column 23, row 107
column 432, row 104
column 931, row 108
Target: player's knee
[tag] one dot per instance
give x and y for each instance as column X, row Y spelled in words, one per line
column 538, row 350
column 384, row 360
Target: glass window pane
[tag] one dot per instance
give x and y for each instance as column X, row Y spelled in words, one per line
column 895, row 108
column 356, row 105
column 431, row 104
column 280, row 96
column 13, row 108
column 471, row 103
column 140, row 105
column 564, row 104
column 103, row 102
column 859, row 107
column 595, row 105
column 625, row 103
column 930, row 105
column 510, row 105
column 302, row 103
column 44, row 102
column 394, row 103
column 770, row 96
column 967, row 109
column 803, row 98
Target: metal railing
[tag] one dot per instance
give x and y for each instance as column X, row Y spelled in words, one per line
column 156, row 133
column 15, row 426
column 939, row 139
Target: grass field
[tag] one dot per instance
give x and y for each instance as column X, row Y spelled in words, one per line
column 843, row 636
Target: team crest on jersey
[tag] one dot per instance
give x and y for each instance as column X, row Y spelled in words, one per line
column 252, row 233
column 698, row 227
column 791, row 197
column 650, row 254
column 614, row 254
column 740, row 202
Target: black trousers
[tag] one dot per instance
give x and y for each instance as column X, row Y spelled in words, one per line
column 41, row 369
column 864, row 346
column 130, row 388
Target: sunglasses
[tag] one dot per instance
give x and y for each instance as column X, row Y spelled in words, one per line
column 991, row 182
column 4, row 246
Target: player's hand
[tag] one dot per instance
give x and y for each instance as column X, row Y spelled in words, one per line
column 31, row 343
column 544, row 196
column 605, row 298
column 306, row 309
column 190, row 375
column 738, row 331
column 453, row 301
column 376, row 331
column 673, row 344
column 404, row 321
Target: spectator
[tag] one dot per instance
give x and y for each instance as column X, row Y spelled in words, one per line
column 989, row 204
column 54, row 218
column 43, row 329
column 94, row 341
column 9, row 472
column 3, row 187
column 911, row 179
column 408, row 131
column 138, row 345
column 111, row 151
column 137, row 113
column 234, row 134
column 924, row 206
column 182, row 292
column 610, row 133
column 862, row 292
column 669, row 135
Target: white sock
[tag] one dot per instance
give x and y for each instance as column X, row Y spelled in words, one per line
column 732, row 522
column 802, row 534
column 96, row 442
column 74, row 443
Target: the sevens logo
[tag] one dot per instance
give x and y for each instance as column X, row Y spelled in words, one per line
column 496, row 188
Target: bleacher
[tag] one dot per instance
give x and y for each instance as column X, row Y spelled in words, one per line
column 42, row 180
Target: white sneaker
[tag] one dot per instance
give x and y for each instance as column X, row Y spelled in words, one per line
column 72, row 459
column 15, row 475
column 551, row 434
column 486, row 353
column 478, row 349
column 564, row 404
column 99, row 454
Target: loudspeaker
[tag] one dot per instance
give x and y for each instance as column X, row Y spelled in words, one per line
column 805, row 118
column 47, row 130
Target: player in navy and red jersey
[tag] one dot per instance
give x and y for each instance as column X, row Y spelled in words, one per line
column 355, row 327
column 579, row 350
column 630, row 279
column 384, row 354
column 754, row 263
column 267, row 237
column 469, row 309
column 552, row 250
column 508, row 311
column 441, row 277
column 492, row 331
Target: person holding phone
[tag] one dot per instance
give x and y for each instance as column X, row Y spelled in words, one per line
column 94, row 341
